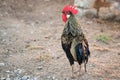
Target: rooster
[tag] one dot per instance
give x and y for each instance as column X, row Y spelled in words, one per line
column 73, row 41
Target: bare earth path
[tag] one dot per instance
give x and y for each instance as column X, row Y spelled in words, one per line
column 30, row 42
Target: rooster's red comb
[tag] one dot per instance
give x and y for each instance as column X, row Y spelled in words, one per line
column 70, row 8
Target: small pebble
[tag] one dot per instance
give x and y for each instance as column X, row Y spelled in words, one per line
column 8, row 77
column 2, row 64
column 7, row 71
column 49, row 77
column 43, row 13
column 25, row 78
column 2, row 78
column 53, row 78
column 17, row 78
column 40, row 68
column 67, row 78
column 92, row 66
column 89, row 22
column 34, row 79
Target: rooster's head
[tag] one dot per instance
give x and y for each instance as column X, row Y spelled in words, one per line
column 68, row 11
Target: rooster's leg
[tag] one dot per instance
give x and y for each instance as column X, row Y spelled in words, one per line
column 72, row 74
column 85, row 66
column 79, row 69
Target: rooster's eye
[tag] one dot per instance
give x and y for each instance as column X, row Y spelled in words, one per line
column 69, row 13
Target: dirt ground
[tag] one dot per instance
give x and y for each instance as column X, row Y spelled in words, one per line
column 30, row 42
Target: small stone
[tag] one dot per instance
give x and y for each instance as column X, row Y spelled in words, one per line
column 2, row 64
column 40, row 68
column 51, row 23
column 67, row 78
column 89, row 22
column 22, row 20
column 7, row 71
column 92, row 66
column 8, row 77
column 5, row 33
column 56, row 57
column 17, row 72
column 3, row 40
column 32, row 32
column 43, row 13
column 53, row 78
column 2, row 78
column 34, row 79
column 25, row 78
column 17, row 78
column 49, row 77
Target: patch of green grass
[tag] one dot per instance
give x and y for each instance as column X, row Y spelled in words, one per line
column 103, row 38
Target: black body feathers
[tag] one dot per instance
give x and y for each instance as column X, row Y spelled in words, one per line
column 72, row 40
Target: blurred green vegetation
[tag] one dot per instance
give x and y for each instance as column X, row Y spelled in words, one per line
column 103, row 38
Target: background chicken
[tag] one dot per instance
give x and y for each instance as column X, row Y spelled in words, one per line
column 73, row 40
column 100, row 3
column 112, row 5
